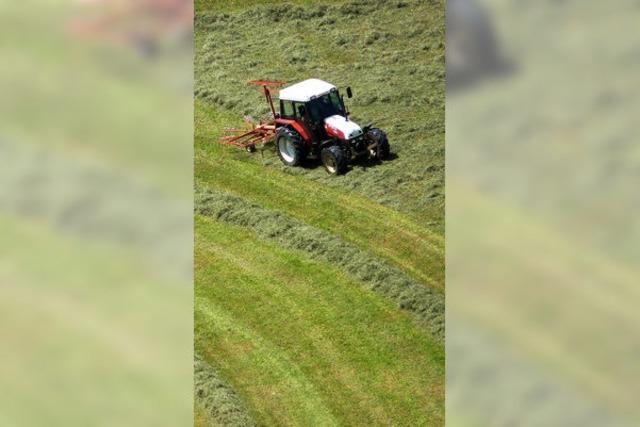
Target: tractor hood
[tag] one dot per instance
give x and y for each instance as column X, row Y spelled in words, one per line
column 339, row 127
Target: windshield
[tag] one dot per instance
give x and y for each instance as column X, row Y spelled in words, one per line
column 325, row 106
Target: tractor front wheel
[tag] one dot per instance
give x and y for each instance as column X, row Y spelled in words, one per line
column 290, row 147
column 378, row 144
column 334, row 160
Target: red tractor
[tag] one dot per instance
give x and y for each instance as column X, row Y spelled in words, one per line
column 313, row 122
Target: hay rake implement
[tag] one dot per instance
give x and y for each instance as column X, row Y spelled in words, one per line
column 257, row 134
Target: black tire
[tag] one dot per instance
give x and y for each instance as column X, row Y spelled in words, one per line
column 334, row 160
column 290, row 147
column 382, row 150
column 250, row 148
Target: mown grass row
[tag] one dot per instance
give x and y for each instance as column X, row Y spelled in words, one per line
column 426, row 305
column 304, row 344
column 384, row 232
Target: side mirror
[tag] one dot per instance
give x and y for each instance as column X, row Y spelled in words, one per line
column 349, row 93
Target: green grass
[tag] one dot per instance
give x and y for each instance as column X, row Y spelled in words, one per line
column 201, row 419
column 303, row 344
column 382, row 231
column 234, row 5
column 319, row 299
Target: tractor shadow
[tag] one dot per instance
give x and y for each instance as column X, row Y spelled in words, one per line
column 366, row 163
column 362, row 164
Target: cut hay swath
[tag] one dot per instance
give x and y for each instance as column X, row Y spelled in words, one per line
column 220, row 404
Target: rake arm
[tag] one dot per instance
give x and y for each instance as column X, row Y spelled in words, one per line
column 261, row 134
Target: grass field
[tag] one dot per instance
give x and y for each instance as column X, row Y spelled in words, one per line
column 95, row 290
column 319, row 300
column 303, row 342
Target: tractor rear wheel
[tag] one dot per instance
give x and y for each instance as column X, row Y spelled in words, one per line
column 381, row 150
column 290, row 147
column 334, row 160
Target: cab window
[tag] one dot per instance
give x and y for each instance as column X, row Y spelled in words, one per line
column 299, row 109
column 336, row 102
column 286, row 109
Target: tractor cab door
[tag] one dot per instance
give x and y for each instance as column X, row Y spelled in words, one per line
column 315, row 128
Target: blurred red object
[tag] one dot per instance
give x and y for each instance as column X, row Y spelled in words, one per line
column 145, row 25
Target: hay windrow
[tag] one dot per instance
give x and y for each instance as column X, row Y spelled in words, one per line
column 425, row 305
column 219, row 401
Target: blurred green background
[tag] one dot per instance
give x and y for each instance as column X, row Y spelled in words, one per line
column 95, row 214
column 542, row 225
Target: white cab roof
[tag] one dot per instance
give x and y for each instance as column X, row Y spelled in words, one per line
column 305, row 90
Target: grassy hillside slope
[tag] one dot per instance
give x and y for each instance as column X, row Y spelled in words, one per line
column 303, row 343
column 384, row 231
column 299, row 276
